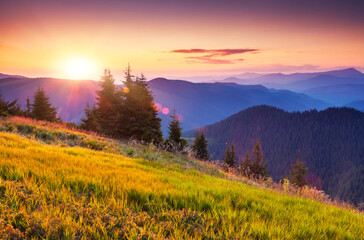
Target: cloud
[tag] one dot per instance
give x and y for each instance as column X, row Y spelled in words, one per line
column 216, row 52
column 213, row 56
column 210, row 60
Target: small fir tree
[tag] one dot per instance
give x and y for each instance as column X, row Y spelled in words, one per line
column 42, row 109
column 199, row 147
column 91, row 120
column 175, row 142
column 258, row 166
column 9, row 108
column 29, row 108
column 230, row 156
column 298, row 173
column 245, row 165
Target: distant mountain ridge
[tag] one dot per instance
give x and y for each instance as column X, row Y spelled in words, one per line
column 205, row 103
column 10, row 76
column 198, row 104
column 357, row 105
column 330, row 141
column 321, row 85
column 285, row 79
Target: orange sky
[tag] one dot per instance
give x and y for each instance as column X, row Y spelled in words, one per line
column 43, row 38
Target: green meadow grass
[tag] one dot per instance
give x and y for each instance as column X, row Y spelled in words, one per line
column 55, row 191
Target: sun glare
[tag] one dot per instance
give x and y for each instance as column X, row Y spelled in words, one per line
column 79, row 68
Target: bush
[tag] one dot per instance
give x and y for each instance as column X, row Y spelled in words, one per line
column 44, row 135
column 95, row 145
column 26, row 129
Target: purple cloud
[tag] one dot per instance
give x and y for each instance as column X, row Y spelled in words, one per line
column 215, row 52
column 213, row 56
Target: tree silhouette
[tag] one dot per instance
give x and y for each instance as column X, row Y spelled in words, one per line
column 107, row 104
column 230, row 156
column 175, row 142
column 245, row 166
column 91, row 120
column 42, row 109
column 9, row 108
column 138, row 116
column 199, row 147
column 258, row 166
column 298, row 172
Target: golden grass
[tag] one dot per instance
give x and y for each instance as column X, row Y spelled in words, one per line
column 61, row 192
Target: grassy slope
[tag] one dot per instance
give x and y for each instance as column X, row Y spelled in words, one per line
column 55, row 191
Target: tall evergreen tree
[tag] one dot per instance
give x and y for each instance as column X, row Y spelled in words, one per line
column 138, row 115
column 298, row 173
column 175, row 142
column 107, row 102
column 91, row 121
column 199, row 147
column 258, row 165
column 9, row 108
column 42, row 109
column 230, row 156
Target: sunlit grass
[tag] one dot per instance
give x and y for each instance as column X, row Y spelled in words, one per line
column 57, row 191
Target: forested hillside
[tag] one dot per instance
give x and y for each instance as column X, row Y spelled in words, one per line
column 330, row 141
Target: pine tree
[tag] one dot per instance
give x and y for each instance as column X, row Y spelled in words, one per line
column 175, row 142
column 9, row 108
column 42, row 109
column 258, row 165
column 230, row 156
column 29, row 108
column 298, row 173
column 199, row 147
column 138, row 115
column 245, row 165
column 91, row 120
column 107, row 102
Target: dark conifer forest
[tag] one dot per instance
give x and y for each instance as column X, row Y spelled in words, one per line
column 331, row 143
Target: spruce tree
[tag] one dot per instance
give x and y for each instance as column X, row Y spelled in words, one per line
column 107, row 102
column 175, row 142
column 230, row 156
column 91, row 120
column 258, row 165
column 199, row 147
column 29, row 108
column 9, row 108
column 245, row 166
column 298, row 173
column 42, row 109
column 138, row 115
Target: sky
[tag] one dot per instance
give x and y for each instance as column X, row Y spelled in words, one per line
column 78, row 39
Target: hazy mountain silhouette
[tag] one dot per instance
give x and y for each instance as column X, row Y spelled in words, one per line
column 9, row 76
column 206, row 103
column 338, row 94
column 357, row 105
column 302, row 81
column 324, row 80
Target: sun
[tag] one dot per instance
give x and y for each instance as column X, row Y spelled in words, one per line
column 79, row 68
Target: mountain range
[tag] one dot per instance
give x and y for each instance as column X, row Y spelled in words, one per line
column 338, row 87
column 198, row 104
